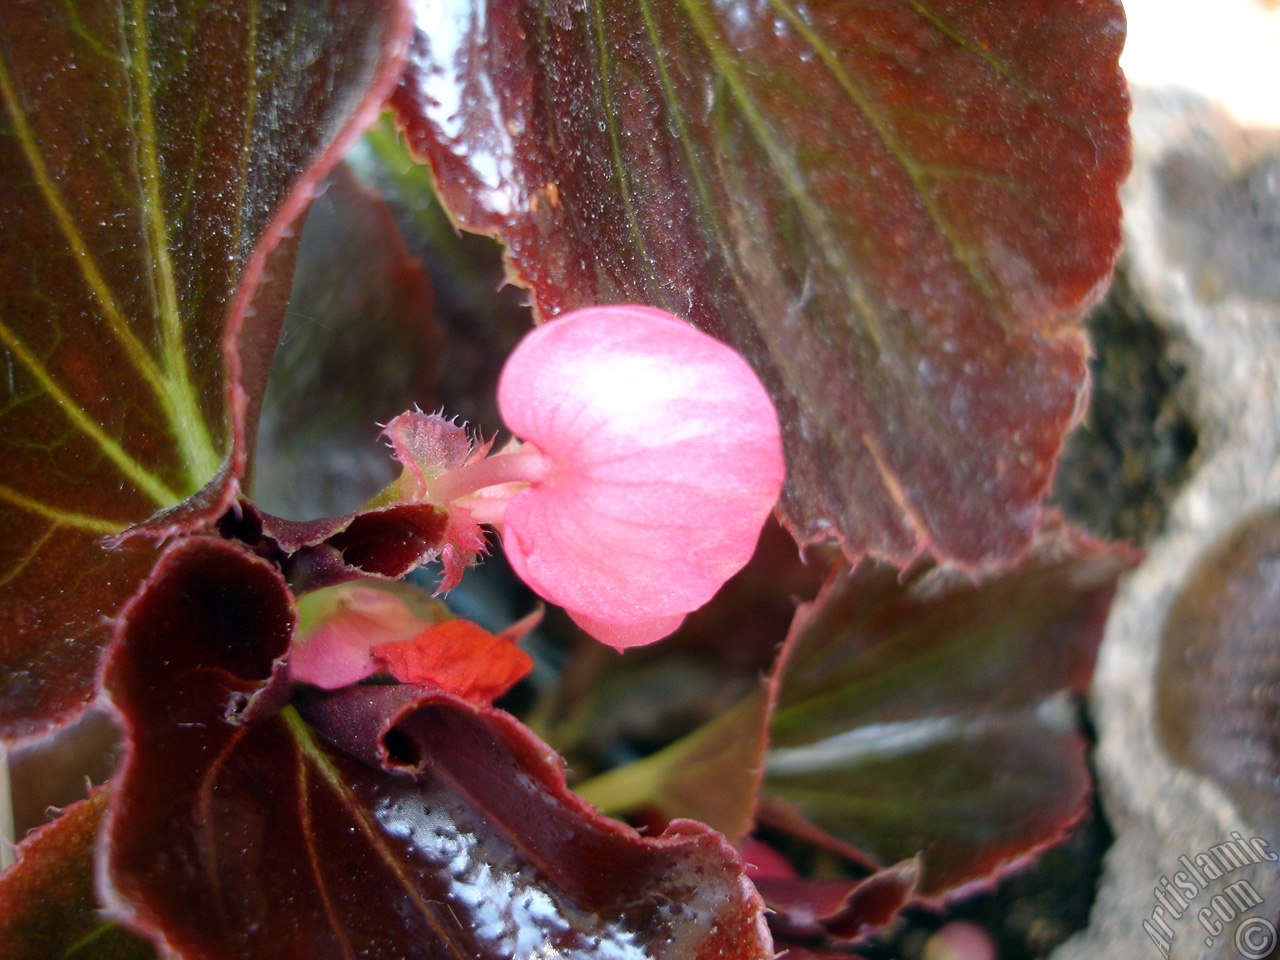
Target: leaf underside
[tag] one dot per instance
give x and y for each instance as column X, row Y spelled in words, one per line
column 896, row 210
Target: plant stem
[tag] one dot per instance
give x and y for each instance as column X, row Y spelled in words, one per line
column 527, row 466
column 7, row 838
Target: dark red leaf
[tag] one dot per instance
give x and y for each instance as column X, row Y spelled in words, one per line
column 381, row 542
column 837, row 913
column 360, row 345
column 47, row 906
column 1218, row 680
column 437, row 829
column 895, row 210
column 150, row 161
column 928, row 715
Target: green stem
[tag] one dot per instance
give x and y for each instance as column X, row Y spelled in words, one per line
column 623, row 788
column 6, row 813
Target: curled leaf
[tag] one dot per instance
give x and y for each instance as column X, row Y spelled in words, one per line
column 391, row 822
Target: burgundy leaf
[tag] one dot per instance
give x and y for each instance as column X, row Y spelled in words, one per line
column 360, row 345
column 47, row 906
column 435, row 828
column 381, row 542
column 682, row 891
column 927, row 715
column 896, row 210
column 836, row 913
column 1218, row 692
column 150, row 161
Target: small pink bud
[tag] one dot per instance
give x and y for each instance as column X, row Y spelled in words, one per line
column 663, row 460
column 428, row 447
column 352, row 631
column 340, row 624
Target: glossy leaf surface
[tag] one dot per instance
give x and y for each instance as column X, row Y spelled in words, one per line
column 929, row 716
column 151, row 157
column 895, row 209
column 1218, row 679
column 47, row 906
column 390, row 823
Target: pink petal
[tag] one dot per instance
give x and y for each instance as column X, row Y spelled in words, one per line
column 620, row 638
column 668, row 461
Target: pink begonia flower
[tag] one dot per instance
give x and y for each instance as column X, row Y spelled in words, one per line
column 651, row 458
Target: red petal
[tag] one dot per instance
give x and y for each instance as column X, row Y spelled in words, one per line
column 334, row 649
column 459, row 657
